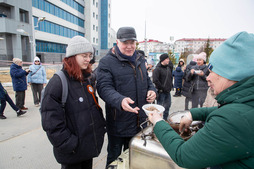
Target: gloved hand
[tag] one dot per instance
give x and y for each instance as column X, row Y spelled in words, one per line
column 185, row 122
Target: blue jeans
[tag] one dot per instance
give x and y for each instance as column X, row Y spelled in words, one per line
column 3, row 104
column 164, row 99
column 115, row 146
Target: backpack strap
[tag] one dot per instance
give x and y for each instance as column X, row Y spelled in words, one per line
column 64, row 86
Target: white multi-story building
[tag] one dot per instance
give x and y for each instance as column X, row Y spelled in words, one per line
column 97, row 25
column 44, row 27
column 195, row 45
column 154, row 46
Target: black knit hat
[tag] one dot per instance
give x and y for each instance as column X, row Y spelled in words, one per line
column 163, row 57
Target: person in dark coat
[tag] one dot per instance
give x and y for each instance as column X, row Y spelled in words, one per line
column 178, row 81
column 197, row 75
column 19, row 82
column 123, row 83
column 162, row 78
column 187, row 84
column 4, row 97
column 77, row 129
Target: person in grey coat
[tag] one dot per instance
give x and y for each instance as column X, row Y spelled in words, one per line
column 197, row 76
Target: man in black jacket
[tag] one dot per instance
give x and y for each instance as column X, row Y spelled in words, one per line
column 123, row 83
column 162, row 78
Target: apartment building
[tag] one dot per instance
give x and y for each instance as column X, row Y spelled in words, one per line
column 195, row 45
column 155, row 46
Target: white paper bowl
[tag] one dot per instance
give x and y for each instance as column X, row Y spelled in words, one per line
column 158, row 107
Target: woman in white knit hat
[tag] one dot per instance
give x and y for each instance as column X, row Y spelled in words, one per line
column 37, row 78
column 76, row 129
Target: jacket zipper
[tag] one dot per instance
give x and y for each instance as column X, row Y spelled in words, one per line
column 141, row 73
column 136, row 87
column 115, row 114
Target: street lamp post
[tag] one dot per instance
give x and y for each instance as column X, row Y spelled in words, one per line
column 37, row 25
column 33, row 40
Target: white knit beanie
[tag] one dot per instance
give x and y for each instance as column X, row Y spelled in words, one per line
column 78, row 45
column 37, row 59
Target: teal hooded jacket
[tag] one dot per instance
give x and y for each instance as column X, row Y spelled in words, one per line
column 226, row 140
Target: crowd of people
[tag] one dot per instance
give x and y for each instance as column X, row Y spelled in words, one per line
column 221, row 94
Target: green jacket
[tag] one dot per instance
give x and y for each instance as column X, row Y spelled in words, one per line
column 227, row 139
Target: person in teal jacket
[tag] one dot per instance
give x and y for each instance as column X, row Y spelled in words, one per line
column 227, row 138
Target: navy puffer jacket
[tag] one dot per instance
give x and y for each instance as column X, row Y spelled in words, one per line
column 77, row 131
column 18, row 76
column 178, row 74
column 117, row 79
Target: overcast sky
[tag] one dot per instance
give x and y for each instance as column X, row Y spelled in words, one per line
column 183, row 18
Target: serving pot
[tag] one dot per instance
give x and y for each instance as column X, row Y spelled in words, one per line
column 174, row 121
column 145, row 150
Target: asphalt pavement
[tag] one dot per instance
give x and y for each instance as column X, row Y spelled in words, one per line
column 24, row 145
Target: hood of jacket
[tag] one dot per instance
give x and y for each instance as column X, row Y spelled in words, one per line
column 240, row 92
column 15, row 66
column 178, row 69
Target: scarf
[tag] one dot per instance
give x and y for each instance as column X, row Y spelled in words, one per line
column 132, row 58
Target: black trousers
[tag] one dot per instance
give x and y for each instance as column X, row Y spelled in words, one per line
column 87, row 164
column 115, row 147
column 3, row 104
column 187, row 100
column 36, row 89
column 20, row 99
column 198, row 98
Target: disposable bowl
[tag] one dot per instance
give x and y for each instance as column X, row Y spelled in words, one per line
column 160, row 108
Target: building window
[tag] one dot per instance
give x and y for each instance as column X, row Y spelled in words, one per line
column 93, row 2
column 96, row 28
column 93, row 27
column 96, row 4
column 93, row 14
column 97, row 17
column 93, row 40
column 97, row 40
column 42, row 46
column 23, row 16
column 53, row 28
column 59, row 12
